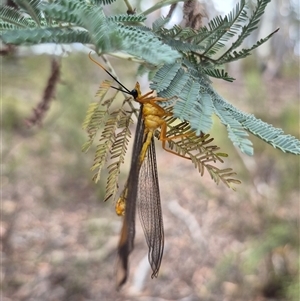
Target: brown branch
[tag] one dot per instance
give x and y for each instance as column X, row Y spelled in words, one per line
column 172, row 8
column 193, row 14
column 49, row 94
column 130, row 10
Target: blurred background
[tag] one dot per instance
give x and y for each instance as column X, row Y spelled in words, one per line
column 59, row 238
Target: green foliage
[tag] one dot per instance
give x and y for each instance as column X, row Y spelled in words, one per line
column 31, row 8
column 52, row 35
column 104, row 2
column 172, row 80
column 143, row 43
column 183, row 59
column 69, row 21
column 127, row 18
column 12, row 19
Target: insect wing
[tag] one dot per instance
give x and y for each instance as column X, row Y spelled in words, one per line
column 126, row 242
column 149, row 208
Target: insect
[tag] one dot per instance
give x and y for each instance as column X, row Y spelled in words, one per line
column 142, row 187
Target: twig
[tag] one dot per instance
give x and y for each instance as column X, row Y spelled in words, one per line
column 49, row 93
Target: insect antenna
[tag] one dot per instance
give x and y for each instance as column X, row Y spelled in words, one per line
column 119, row 89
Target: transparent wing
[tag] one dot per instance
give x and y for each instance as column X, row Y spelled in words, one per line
column 129, row 195
column 149, row 208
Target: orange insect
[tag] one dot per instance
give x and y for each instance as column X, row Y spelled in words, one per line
column 142, row 187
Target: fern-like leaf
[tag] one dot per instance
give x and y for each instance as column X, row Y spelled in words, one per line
column 183, row 46
column 247, row 29
column 103, row 2
column 224, row 175
column 199, row 112
column 118, row 151
column 202, row 46
column 146, row 45
column 95, row 117
column 218, row 73
column 127, row 18
column 257, row 127
column 68, row 11
column 195, row 103
column 233, row 23
column 267, row 132
column 40, row 35
column 159, row 23
column 106, row 141
column 31, row 7
column 201, row 151
column 79, row 13
column 236, row 132
column 164, row 77
column 13, row 17
column 236, row 55
column 198, row 102
column 92, row 123
column 115, row 133
column 104, row 34
column 6, row 26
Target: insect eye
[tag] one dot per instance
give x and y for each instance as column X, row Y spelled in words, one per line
column 134, row 93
